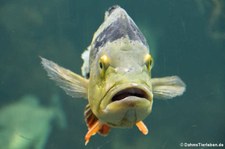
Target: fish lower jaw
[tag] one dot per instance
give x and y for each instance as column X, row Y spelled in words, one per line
column 126, row 112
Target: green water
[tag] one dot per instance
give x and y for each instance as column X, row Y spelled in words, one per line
column 187, row 38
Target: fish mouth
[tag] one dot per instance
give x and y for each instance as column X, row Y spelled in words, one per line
column 131, row 91
column 127, row 93
column 126, row 104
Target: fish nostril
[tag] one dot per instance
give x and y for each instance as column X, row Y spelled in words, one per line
column 130, row 69
column 127, row 70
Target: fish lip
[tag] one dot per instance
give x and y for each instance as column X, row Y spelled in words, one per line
column 130, row 91
column 144, row 90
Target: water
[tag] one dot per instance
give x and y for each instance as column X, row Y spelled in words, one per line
column 187, row 38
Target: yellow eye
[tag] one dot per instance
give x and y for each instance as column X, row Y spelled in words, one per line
column 148, row 61
column 103, row 64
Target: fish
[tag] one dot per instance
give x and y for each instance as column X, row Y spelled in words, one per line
column 116, row 77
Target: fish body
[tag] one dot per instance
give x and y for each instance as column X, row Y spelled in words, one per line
column 116, row 77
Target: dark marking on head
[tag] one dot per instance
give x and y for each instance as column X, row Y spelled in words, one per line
column 111, row 9
column 122, row 27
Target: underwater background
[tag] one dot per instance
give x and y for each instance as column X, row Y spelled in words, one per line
column 186, row 38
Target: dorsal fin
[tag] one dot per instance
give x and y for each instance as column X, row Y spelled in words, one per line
column 94, row 125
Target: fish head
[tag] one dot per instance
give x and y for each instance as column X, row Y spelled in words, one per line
column 120, row 91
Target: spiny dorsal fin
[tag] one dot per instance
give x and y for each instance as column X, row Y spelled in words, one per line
column 91, row 120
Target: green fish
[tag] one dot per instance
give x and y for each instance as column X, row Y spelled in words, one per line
column 116, row 77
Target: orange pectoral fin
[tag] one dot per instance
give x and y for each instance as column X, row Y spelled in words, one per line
column 141, row 126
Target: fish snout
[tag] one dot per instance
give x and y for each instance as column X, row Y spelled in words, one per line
column 126, row 104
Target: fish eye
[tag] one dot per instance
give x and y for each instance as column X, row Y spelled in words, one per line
column 103, row 64
column 148, row 61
